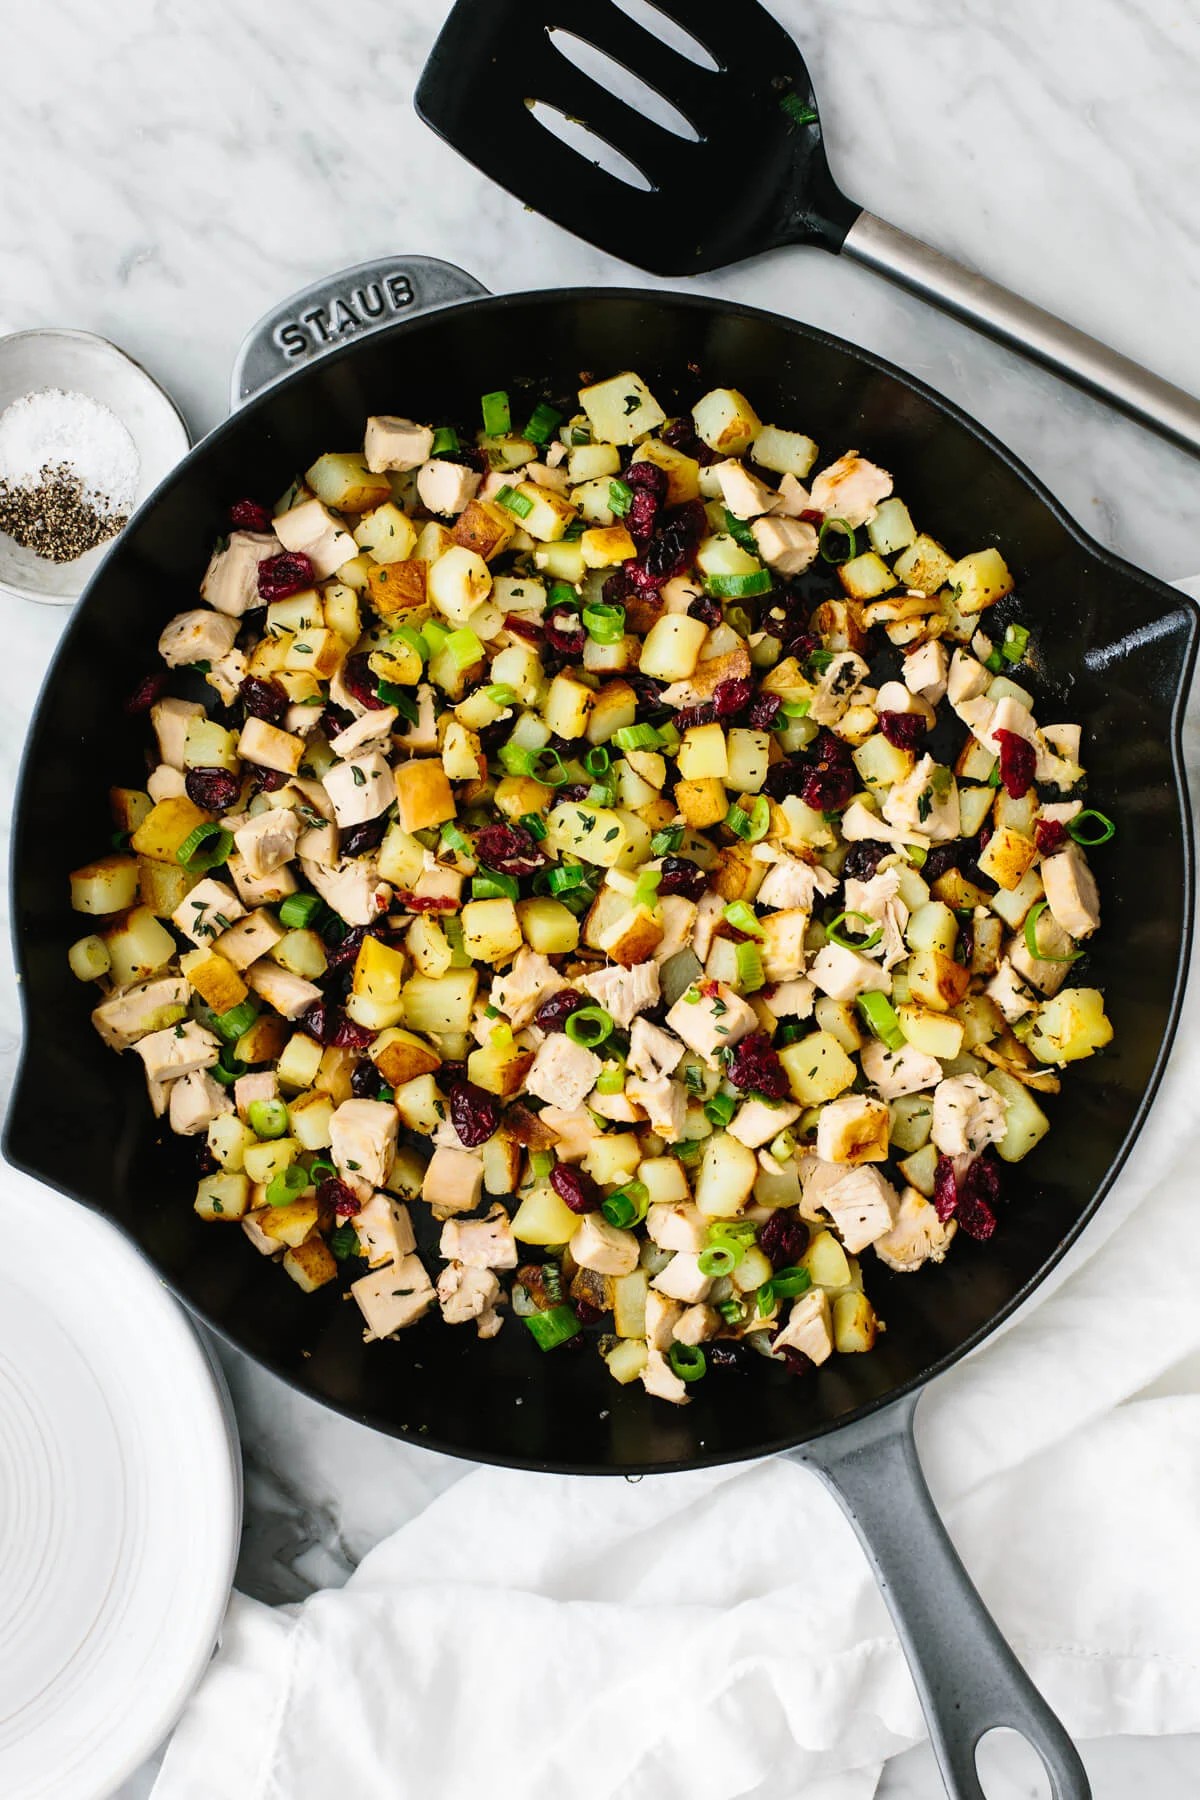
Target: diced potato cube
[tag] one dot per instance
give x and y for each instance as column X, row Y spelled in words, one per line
column 263, row 1162
column 784, row 452
column 441, row 1005
column 817, row 1068
column 933, row 927
column 300, row 1063
column 702, row 803
column 826, row 1262
column 549, row 513
column 892, row 528
column 726, row 422
column 137, row 945
column 629, row 1303
column 703, row 753
column 491, row 930
column 567, row 706
column 604, row 547
column 682, row 471
column 549, row 927
column 345, row 482
column 924, row 565
column 615, row 706
column 223, row 1197
column 401, row 1056
column 936, row 981
column 311, row 1120
column 1071, row 1026
column 628, row 1357
column 542, row 1218
column 499, row 1068
column 310, row 1264
column 129, row 806
column 933, row 1033
column 215, row 980
column 421, row 1104
column 979, row 580
column 592, row 462
column 166, row 828
column 1008, row 856
column 621, row 410
column 866, row 576
column 1025, row 1124
column 108, row 885
column 423, row 796
column 726, row 1176
column 855, row 1324
column 398, row 587
column 387, row 533
column 609, row 837
column 672, row 647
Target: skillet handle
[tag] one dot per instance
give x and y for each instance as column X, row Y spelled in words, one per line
column 348, row 305
column 967, row 1678
column 1020, row 325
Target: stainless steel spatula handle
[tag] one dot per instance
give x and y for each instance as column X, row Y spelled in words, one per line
column 1025, row 327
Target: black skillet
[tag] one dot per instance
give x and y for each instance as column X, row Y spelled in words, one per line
column 1113, row 648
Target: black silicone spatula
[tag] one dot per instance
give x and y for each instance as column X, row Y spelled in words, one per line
column 753, row 177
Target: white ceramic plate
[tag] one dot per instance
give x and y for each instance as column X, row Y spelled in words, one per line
column 85, row 364
column 120, row 1502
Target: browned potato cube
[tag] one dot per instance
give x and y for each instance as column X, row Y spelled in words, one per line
column 216, row 981
column 263, row 1041
column 129, row 806
column 166, row 828
column 292, row 1223
column 401, row 1055
column 397, row 587
column 423, row 796
column 310, row 1264
column 164, row 887
column 702, row 802
column 484, row 528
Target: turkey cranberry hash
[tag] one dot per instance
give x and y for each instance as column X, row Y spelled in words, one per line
column 565, row 859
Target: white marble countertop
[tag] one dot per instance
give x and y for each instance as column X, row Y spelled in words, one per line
column 175, row 171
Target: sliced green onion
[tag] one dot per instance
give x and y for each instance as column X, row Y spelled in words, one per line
column 540, row 1164
column 535, row 825
column 611, row 1079
column 718, row 1260
column 549, row 1329
column 645, row 890
column 628, row 1205
column 604, row 624
column 750, row 972
column 597, row 761
column 207, row 847
column 453, row 839
column 344, row 1242
column 994, row 663
column 688, row 1151
column 299, row 910
column 743, row 918
column 589, row 1026
column 753, row 825
column 267, row 1118
column 783, row 1146
column 288, row 1185
column 436, row 635
column 567, row 876
column 546, row 765
column 464, row 647
column 788, row 1031
column 1031, row 943
column 500, row 694
column 788, row 1283
column 669, row 733
column 497, row 413
column 667, row 841
column 562, row 594
column 494, row 887
column 400, row 698
column 453, row 927
column 842, row 530
column 739, row 587
column 720, row 1109
column 733, row 1231
column 543, row 423
column 636, row 737
column 1016, row 642
column 620, row 498
column 520, row 505
column 881, row 1016
column 688, row 1361
column 580, row 434
column 731, row 1311
column 230, row 1025
column 740, row 532
column 445, row 439
column 602, row 793
column 795, row 709
column 1106, row 828
column 228, row 1073
column 836, row 935
column 412, row 639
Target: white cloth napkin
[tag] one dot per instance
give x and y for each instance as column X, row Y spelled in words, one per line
column 712, row 1635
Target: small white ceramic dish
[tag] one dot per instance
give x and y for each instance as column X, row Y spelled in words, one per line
column 120, row 1502
column 79, row 361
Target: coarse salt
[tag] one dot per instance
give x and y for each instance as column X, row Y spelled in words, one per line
column 57, row 428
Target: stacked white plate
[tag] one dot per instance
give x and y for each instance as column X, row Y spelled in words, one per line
column 120, row 1501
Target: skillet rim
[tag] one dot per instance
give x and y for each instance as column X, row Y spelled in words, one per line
column 1179, row 602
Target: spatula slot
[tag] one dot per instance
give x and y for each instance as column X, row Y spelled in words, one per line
column 622, row 83
column 574, row 134
column 658, row 21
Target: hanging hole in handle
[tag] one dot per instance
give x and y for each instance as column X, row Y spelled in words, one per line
column 1008, row 1764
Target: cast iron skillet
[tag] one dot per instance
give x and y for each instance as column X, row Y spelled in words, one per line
column 1114, row 648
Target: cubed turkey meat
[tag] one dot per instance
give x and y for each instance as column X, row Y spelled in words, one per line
column 447, row 487
column 170, row 719
column 894, row 1073
column 624, row 992
column 861, row 1203
column 312, row 529
column 660, row 1380
column 714, row 1022
column 267, row 841
column 373, row 728
column 178, row 1050
column 124, row 1018
column 682, row 1278
column 394, row 1296
column 741, row 490
column 662, row 1315
column 787, row 545
column 520, row 990
column 809, row 1327
column 353, row 888
column 604, row 1248
column 853, row 1129
column 486, row 1243
column 677, row 1226
column 453, row 1181
column 845, row 974
column 198, row 636
column 917, row 1237
column 926, row 671
column 663, row 1101
column 392, row 443
column 361, row 789
column 653, row 1051
column 231, row 579
column 968, row 1115
column 384, row 1229
column 196, row 1100
column 790, row 883
column 563, row 1072
column 362, row 1137
column 249, row 938
column 1071, row 891
column 470, row 1293
column 851, row 489
column 289, row 994
column 209, row 909
column 756, row 1122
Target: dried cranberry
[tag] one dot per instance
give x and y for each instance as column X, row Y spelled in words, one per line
column 812, row 515
column 361, row 683
column 978, row 1194
column 340, row 954
column 266, row 781
column 965, row 948
column 330, row 1026
column 249, row 515
column 649, row 477
column 763, row 711
column 795, row 1361
column 425, row 903
column 1049, row 835
column 905, row 730
column 754, row 1066
column 523, row 628
column 573, row 792
column 706, row 610
column 349, row 1035
column 556, row 1009
column 783, row 778
column 687, row 716
column 784, row 1239
column 1018, row 764
column 642, row 515
column 365, row 1081
column 681, row 435
column 587, row 1314
column 830, row 777
column 802, row 646
column 509, row 849
column 671, row 549
column 941, row 858
column 288, row 573
column 147, row 691
column 976, row 1217
column 344, row 1201
column 263, row 699
column 474, row 1113
column 214, row 789
column 729, row 697
column 361, row 838
column 564, row 631
column 945, row 1189
column 863, row 859
column 679, row 876
column 575, row 1189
